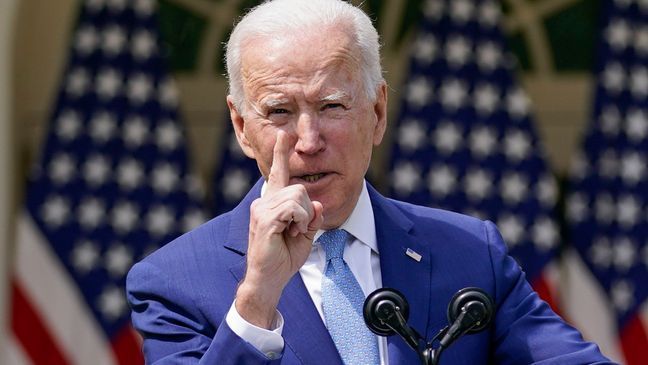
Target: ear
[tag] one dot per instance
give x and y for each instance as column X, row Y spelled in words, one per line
column 238, row 122
column 380, row 111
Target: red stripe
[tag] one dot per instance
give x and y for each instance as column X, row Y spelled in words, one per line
column 542, row 287
column 28, row 327
column 634, row 342
column 127, row 346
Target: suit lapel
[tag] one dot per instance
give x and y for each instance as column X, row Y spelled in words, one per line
column 304, row 332
column 394, row 233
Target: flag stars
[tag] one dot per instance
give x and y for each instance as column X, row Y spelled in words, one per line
column 77, row 82
column 116, row 5
column 159, row 220
column 86, row 39
column 94, row 6
column 577, row 207
column 143, row 45
column 194, row 188
column 441, row 180
column 633, row 168
column 139, row 88
column 639, row 82
column 114, row 40
column 622, row 293
column 411, row 135
column 112, row 303
column 68, row 125
column 91, row 213
column 85, row 256
column 164, row 178
column 453, row 94
column 433, row 9
column 458, row 51
column 61, row 168
column 168, row 93
column 579, row 167
column 489, row 56
column 514, row 187
column 55, row 211
column 600, row 253
column 608, row 164
column 547, row 191
column 192, row 219
column 236, row 182
column 482, row 141
column 418, row 92
column 518, row 104
column 486, row 99
column 477, row 184
column 447, row 138
column 641, row 41
column 605, row 208
column 130, row 174
column 406, row 178
column 96, row 170
column 489, row 14
column 102, row 127
column 545, row 234
column 610, row 120
column 613, row 78
column 109, row 83
column 624, row 253
column 618, row 34
column 512, row 229
column 118, row 259
column 461, row 10
column 517, row 145
column 135, row 131
column 168, row 136
column 144, row 8
column 124, row 216
column 426, row 49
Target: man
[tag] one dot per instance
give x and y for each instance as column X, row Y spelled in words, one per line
column 281, row 278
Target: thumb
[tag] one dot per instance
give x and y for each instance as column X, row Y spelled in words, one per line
column 317, row 221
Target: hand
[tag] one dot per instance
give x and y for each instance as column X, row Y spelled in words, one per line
column 283, row 224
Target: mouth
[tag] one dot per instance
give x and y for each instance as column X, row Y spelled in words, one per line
column 311, row 178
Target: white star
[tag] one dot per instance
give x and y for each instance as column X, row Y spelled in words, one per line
column 109, row 83
column 618, row 34
column 168, row 93
column 236, row 183
column 610, row 120
column 55, row 211
column 625, row 254
column 159, row 220
column 102, row 127
column 135, row 131
column 119, row 259
column 622, row 293
column 114, row 39
column 418, row 92
column 633, row 168
column 512, row 229
column 124, row 216
column 77, row 83
column 447, row 137
column 601, row 253
column 168, row 135
column 489, row 56
column 425, row 49
column 482, row 141
column 91, row 213
column 608, row 164
column 628, row 211
column 143, row 45
column 641, row 40
column 637, row 125
column 513, row 188
column 406, row 178
column 94, row 6
column 111, row 303
column 613, row 78
column 545, row 234
column 194, row 187
column 433, row 9
column 441, row 180
column 164, row 178
column 85, row 256
column 458, row 50
column 61, row 168
column 486, row 99
column 69, row 125
column 518, row 104
column 639, row 82
column 489, row 14
column 461, row 10
column 577, row 207
column 96, row 170
column 139, row 88
column 130, row 174
column 579, row 167
column 411, row 135
column 517, row 145
column 477, row 184
column 605, row 208
column 144, row 8
column 453, row 94
column 192, row 219
column 86, row 39
column 547, row 191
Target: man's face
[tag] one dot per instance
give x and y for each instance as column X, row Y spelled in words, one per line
column 310, row 86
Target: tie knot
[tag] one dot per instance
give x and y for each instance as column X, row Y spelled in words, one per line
column 333, row 243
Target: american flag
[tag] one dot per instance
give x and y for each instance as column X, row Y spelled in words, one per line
column 111, row 185
column 465, row 139
column 608, row 195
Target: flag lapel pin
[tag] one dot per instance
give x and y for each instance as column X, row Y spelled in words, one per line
column 413, row 254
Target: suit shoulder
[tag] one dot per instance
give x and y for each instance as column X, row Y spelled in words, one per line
column 420, row 213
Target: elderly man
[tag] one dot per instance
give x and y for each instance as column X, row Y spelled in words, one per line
column 282, row 277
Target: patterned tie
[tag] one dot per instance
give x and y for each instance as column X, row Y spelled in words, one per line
column 342, row 301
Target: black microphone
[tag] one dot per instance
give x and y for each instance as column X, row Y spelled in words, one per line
column 386, row 312
column 470, row 311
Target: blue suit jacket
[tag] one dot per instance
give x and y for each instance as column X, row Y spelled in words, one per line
column 180, row 294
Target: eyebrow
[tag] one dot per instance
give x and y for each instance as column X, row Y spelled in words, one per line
column 336, row 96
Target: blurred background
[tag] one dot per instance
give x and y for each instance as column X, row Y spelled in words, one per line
column 115, row 139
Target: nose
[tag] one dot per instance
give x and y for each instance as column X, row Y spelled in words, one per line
column 309, row 138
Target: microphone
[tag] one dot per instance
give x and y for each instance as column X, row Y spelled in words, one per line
column 470, row 311
column 386, row 312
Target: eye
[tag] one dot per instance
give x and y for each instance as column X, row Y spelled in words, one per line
column 332, row 106
column 278, row 111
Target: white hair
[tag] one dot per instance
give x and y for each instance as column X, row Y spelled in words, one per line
column 277, row 17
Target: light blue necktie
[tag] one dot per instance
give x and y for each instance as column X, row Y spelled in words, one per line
column 342, row 300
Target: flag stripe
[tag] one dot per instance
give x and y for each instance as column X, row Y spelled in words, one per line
column 30, row 330
column 127, row 346
column 634, row 342
column 13, row 352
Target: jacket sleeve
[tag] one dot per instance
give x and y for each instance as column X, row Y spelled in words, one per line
column 174, row 329
column 526, row 330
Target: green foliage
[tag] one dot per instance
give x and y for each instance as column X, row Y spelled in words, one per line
column 182, row 33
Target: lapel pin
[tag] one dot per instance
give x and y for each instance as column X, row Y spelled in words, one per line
column 413, row 254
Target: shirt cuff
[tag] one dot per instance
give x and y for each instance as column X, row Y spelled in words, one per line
column 269, row 342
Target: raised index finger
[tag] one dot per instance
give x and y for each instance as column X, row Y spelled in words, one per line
column 279, row 173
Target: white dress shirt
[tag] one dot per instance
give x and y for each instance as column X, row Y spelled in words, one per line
column 363, row 259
